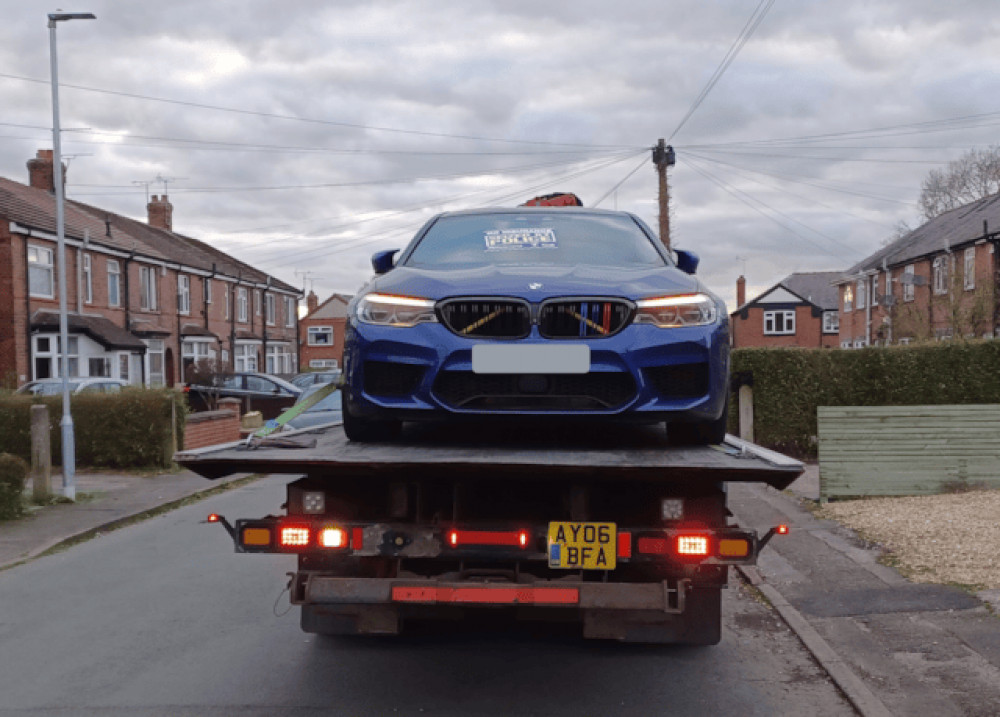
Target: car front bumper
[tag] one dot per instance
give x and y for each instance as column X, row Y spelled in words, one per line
column 643, row 373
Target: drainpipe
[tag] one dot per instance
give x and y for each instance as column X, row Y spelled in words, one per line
column 232, row 325
column 27, row 312
column 868, row 311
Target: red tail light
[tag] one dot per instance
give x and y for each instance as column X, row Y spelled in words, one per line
column 782, row 530
column 213, row 518
column 294, row 536
column 653, row 546
column 331, row 537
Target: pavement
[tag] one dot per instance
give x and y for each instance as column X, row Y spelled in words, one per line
column 104, row 500
column 892, row 647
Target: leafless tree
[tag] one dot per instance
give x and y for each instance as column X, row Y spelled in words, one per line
column 974, row 175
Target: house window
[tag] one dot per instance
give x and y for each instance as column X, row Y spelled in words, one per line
column 862, row 286
column 323, row 363
column 831, row 322
column 114, row 283
column 256, row 303
column 888, row 284
column 905, row 341
column 969, row 270
column 323, row 335
column 860, row 343
column 99, row 368
column 848, row 298
column 147, row 289
column 123, row 360
column 908, row 276
column 941, row 275
column 207, row 289
column 246, row 357
column 241, row 305
column 779, row 323
column 88, row 282
column 290, row 311
column 225, row 299
column 46, row 354
column 278, row 359
column 269, row 309
column 183, row 294
column 192, row 352
column 874, row 292
column 40, row 278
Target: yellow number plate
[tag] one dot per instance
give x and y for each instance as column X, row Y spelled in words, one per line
column 586, row 546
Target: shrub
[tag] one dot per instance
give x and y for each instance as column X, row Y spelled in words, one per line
column 790, row 383
column 13, row 473
column 130, row 429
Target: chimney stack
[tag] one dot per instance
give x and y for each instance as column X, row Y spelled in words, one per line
column 161, row 213
column 41, row 174
column 741, row 291
column 312, row 301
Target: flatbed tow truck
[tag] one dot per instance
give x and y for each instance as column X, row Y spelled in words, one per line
column 604, row 525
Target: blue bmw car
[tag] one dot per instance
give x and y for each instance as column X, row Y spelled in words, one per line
column 559, row 312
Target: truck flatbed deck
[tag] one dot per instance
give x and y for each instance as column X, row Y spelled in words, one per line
column 476, row 451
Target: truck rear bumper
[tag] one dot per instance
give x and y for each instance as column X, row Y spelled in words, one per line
column 665, row 597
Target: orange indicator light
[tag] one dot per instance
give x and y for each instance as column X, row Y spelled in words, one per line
column 293, row 536
column 260, row 537
column 734, row 548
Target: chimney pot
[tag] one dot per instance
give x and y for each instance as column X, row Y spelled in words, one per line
column 312, row 301
column 41, row 174
column 161, row 212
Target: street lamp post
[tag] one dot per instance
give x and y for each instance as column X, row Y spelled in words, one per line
column 68, row 439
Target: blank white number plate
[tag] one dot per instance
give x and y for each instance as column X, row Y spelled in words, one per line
column 530, row 358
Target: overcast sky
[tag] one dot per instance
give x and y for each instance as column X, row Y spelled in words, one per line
column 303, row 136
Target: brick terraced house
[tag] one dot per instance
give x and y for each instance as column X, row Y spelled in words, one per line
column 800, row 310
column 144, row 301
column 321, row 332
column 937, row 282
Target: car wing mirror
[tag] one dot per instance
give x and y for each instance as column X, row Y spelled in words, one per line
column 383, row 261
column 687, row 261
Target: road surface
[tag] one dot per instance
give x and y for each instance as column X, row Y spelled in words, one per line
column 163, row 618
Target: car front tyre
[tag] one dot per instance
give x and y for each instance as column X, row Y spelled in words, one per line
column 368, row 430
column 700, row 433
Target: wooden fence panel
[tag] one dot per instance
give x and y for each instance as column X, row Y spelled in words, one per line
column 907, row 450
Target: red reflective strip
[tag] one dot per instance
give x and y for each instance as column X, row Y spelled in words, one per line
column 491, row 595
column 485, row 537
column 357, row 538
column 624, row 545
column 659, row 546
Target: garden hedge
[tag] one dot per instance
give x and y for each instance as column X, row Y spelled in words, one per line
column 788, row 384
column 124, row 430
column 13, row 474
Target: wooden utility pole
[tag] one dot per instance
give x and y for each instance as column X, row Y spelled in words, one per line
column 663, row 157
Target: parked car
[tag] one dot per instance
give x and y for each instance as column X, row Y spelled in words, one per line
column 327, row 410
column 311, row 378
column 53, row 386
column 547, row 311
column 257, row 392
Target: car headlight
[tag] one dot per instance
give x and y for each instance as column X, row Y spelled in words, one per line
column 388, row 310
column 675, row 311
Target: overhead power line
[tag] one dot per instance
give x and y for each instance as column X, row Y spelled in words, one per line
column 309, row 120
column 748, row 30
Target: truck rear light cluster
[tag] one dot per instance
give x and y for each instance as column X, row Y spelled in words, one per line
column 697, row 546
column 294, row 536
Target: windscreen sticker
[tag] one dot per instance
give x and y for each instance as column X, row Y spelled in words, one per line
column 509, row 239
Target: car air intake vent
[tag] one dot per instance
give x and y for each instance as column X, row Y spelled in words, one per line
column 525, row 392
column 485, row 317
column 681, row 381
column 385, row 378
column 583, row 318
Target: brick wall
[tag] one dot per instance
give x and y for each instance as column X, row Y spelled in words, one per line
column 209, row 428
column 335, row 351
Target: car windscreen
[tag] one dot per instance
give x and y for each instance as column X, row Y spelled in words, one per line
column 534, row 238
